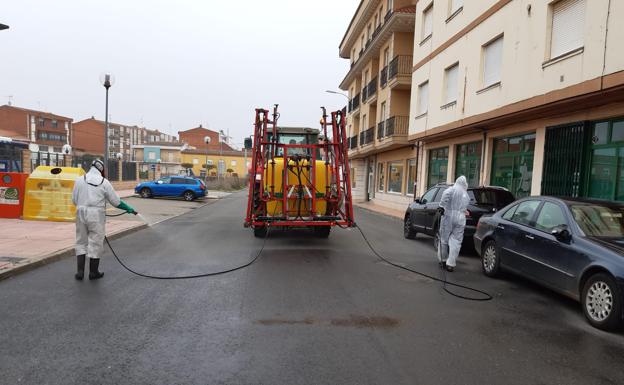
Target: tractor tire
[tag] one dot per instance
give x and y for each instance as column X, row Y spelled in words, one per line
column 260, row 231
column 322, row 231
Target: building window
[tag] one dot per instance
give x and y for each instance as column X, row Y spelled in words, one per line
column 395, row 177
column 221, row 167
column 568, row 21
column 195, row 161
column 54, row 124
column 210, row 162
column 427, row 23
column 492, row 62
column 390, row 5
column 512, row 164
column 411, row 176
column 455, row 6
column 151, row 155
column 450, row 83
column 233, row 163
column 41, row 122
column 468, row 162
column 423, row 97
column 438, row 166
column 381, row 180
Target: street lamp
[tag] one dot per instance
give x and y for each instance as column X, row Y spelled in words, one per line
column 207, row 141
column 107, row 81
column 337, row 93
column 3, row 26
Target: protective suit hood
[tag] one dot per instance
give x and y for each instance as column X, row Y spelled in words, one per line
column 461, row 182
column 94, row 176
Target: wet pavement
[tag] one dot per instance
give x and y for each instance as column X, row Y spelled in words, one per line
column 310, row 311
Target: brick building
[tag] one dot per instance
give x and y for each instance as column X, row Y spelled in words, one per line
column 49, row 131
column 195, row 138
column 89, row 138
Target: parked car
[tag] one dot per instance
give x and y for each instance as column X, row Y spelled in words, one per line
column 422, row 215
column 176, row 186
column 572, row 246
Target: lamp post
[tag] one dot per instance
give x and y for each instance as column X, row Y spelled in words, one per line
column 337, row 93
column 107, row 81
column 207, row 141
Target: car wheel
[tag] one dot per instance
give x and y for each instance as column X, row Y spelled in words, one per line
column 322, row 231
column 260, row 231
column 189, row 196
column 146, row 193
column 408, row 230
column 602, row 302
column 490, row 262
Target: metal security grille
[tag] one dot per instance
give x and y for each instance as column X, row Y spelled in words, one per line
column 128, row 171
column 564, row 157
column 112, row 171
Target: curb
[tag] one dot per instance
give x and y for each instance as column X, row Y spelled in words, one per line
column 64, row 253
column 378, row 212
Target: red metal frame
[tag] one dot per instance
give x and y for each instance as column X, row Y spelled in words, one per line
column 338, row 191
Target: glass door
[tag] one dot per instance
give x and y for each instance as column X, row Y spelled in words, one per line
column 512, row 164
column 438, row 166
column 468, row 162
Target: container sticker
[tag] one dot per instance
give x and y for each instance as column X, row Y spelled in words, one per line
column 9, row 196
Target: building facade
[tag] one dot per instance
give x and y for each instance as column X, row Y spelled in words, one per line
column 49, row 131
column 195, row 137
column 379, row 43
column 528, row 95
column 89, row 138
column 220, row 163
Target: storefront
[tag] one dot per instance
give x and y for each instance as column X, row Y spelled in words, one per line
column 438, row 166
column 468, row 162
column 512, row 163
column 606, row 163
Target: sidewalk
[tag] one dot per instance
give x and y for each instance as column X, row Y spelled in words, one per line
column 371, row 206
column 29, row 244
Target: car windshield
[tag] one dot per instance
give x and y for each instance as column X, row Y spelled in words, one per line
column 598, row 220
column 490, row 197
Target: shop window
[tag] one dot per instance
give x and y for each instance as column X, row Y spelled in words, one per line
column 606, row 172
column 381, row 177
column 438, row 166
column 395, row 177
column 411, row 176
column 468, row 162
column 601, row 133
column 617, row 131
column 512, row 164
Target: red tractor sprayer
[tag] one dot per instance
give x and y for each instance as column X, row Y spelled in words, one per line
column 299, row 177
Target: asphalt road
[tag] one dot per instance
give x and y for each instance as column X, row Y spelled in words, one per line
column 310, row 311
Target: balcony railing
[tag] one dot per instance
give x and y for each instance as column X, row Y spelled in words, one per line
column 383, row 77
column 372, row 87
column 374, row 35
column 367, row 136
column 364, row 94
column 400, row 66
column 380, row 130
column 354, row 103
column 353, row 142
column 388, row 16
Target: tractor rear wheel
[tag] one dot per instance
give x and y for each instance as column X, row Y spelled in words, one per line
column 322, row 231
column 260, row 231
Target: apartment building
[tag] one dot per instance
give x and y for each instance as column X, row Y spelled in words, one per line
column 194, row 137
column 379, row 42
column 528, row 95
column 49, row 131
column 89, row 138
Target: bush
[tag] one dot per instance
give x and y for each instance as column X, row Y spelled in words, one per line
column 226, row 184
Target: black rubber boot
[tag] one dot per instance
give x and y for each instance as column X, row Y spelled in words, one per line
column 94, row 273
column 450, row 269
column 442, row 265
column 81, row 263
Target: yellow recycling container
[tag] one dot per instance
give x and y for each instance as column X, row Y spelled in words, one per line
column 48, row 194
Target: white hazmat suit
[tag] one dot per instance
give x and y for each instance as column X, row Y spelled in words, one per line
column 89, row 195
column 454, row 202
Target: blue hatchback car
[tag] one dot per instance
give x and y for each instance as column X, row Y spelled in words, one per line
column 174, row 186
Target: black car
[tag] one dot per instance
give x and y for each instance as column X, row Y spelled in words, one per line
column 573, row 246
column 422, row 215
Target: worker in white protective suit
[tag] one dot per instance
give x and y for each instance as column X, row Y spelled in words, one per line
column 90, row 194
column 453, row 208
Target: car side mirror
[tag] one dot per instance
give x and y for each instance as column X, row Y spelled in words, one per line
column 417, row 200
column 423, row 201
column 561, row 233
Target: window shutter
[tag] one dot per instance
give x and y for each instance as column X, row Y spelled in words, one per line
column 492, row 63
column 423, row 98
column 427, row 22
column 567, row 26
column 451, row 83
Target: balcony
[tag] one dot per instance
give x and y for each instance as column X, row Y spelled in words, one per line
column 353, row 142
column 354, row 103
column 400, row 72
column 383, row 77
column 367, row 137
column 393, row 132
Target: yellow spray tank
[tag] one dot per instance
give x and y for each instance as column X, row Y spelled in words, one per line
column 48, row 194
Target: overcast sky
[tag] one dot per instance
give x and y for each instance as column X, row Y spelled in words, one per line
column 177, row 63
